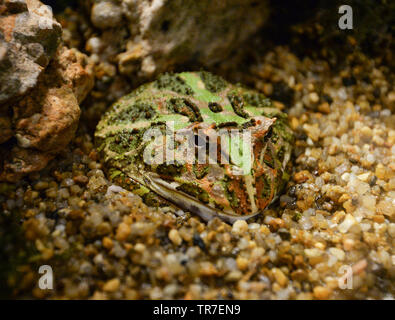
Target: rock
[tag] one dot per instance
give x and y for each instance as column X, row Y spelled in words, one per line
column 280, row 277
column 29, row 37
column 106, row 14
column 45, row 120
column 321, row 293
column 240, row 227
column 175, row 237
column 123, row 231
column 111, row 285
column 5, row 128
column 41, row 86
column 168, row 33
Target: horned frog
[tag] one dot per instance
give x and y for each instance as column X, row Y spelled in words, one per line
column 207, row 146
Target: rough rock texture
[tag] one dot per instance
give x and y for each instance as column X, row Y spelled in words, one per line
column 45, row 120
column 29, row 37
column 167, row 33
column 39, row 96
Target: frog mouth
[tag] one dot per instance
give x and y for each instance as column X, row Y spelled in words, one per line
column 169, row 192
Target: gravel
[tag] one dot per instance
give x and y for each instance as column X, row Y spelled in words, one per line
column 338, row 209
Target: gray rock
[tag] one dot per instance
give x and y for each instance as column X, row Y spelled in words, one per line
column 106, row 14
column 41, row 86
column 29, row 37
column 166, row 33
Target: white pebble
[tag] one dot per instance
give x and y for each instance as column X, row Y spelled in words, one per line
column 347, row 223
column 338, row 253
column 239, row 227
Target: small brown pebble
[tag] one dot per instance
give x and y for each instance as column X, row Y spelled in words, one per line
column 123, row 231
column 111, row 285
column 76, row 214
column 207, row 269
column 41, row 185
column 81, row 180
column 313, row 97
column 360, row 266
column 378, row 218
column 302, row 176
column 280, row 277
column 107, row 243
column 242, row 263
column 175, row 237
column 321, row 293
column 240, row 227
column 324, row 108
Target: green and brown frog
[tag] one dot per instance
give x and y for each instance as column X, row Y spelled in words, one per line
column 210, row 147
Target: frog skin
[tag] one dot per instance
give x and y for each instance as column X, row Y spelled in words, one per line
column 198, row 102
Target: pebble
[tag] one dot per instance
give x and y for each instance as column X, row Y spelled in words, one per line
column 314, row 98
column 280, row 277
column 106, row 14
column 239, row 227
column 242, row 263
column 302, row 176
column 321, row 293
column 175, row 237
column 338, row 253
column 347, row 223
column 111, row 285
column 123, row 231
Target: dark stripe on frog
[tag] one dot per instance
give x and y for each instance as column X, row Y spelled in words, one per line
column 237, row 104
column 185, row 107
